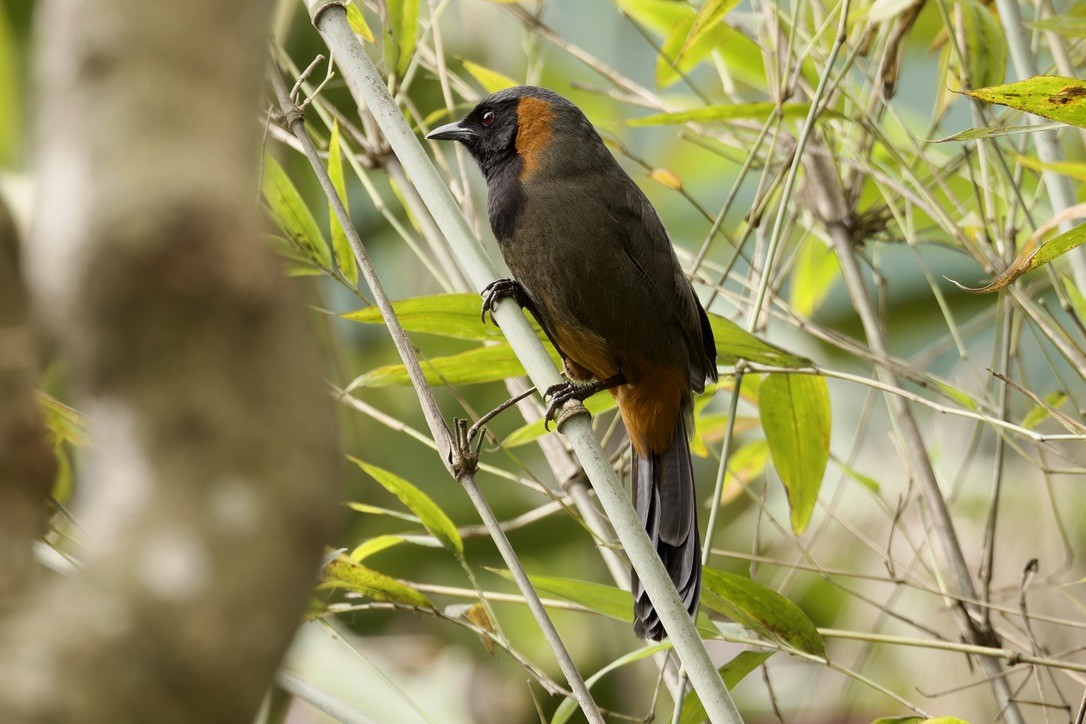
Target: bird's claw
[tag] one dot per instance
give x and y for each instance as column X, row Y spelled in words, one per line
column 497, row 290
column 559, row 395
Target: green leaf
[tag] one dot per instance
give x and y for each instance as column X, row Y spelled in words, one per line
column 475, row 366
column 569, row 706
column 660, row 16
column 1071, row 169
column 525, row 434
column 447, row 315
column 734, row 343
column 607, row 600
column 430, row 515
column 1033, row 256
column 340, row 245
column 344, row 573
column 985, row 45
column 745, row 465
column 708, row 16
column 358, row 23
column 1077, row 298
column 760, row 110
column 1039, row 413
column 403, row 28
column 732, row 673
column 290, row 213
column 760, row 609
column 973, row 134
column 491, row 80
column 795, row 413
column 374, row 545
column 65, row 424
column 864, row 480
column 1051, row 96
column 1065, row 24
column 377, row 510
column 10, row 95
column 816, row 271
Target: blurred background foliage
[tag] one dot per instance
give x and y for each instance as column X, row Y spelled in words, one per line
column 867, row 563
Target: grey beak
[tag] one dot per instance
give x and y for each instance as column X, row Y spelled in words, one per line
column 451, row 132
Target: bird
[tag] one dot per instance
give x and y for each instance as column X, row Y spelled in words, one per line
column 593, row 263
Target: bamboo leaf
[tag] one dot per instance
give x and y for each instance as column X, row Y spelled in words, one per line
column 760, row 609
column 532, row 431
column 1033, row 256
column 816, row 271
column 491, row 80
column 340, row 245
column 1039, row 413
column 759, row 110
column 1077, row 298
column 569, row 706
column 795, row 413
column 374, row 545
column 1068, row 25
column 1070, row 169
column 403, row 28
column 1051, row 96
column 446, row 315
column 344, row 573
column 745, row 465
column 475, row 366
column 973, row 134
column 431, row 516
column 377, row 510
column 10, row 94
column 732, row 673
column 290, row 213
column 734, row 343
column 708, row 16
column 358, row 23
column 985, row 44
column 606, row 600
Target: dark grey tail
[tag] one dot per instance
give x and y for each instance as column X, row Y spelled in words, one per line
column 663, row 490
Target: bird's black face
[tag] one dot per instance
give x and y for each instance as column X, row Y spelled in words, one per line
column 489, row 132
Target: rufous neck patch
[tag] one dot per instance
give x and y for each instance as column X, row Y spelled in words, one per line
column 534, row 117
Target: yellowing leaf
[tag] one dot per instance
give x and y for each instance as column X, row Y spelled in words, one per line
column 744, row 467
column 795, row 413
column 1050, row 96
column 491, row 80
column 374, row 545
column 344, row 573
column 1033, row 256
column 358, row 23
column 667, row 178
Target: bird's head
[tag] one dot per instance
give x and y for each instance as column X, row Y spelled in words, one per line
column 525, row 129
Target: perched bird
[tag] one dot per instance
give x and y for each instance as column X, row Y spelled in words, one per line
column 593, row 263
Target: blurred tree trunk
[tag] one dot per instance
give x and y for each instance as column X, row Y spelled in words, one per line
column 209, row 487
column 27, row 465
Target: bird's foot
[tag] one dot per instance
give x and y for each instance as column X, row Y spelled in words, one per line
column 563, row 392
column 500, row 289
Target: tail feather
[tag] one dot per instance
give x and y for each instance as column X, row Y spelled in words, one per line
column 663, row 490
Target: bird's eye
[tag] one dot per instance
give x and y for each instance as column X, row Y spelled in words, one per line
column 488, row 118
